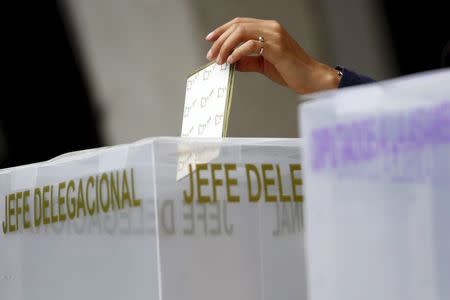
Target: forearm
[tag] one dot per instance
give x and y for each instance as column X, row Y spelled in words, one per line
column 324, row 77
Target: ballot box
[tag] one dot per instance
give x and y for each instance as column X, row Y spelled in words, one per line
column 376, row 177
column 162, row 218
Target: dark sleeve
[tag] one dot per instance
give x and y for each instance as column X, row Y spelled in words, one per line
column 350, row 78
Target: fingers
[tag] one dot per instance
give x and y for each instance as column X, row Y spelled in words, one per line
column 282, row 58
column 213, row 35
column 215, row 48
column 227, row 38
column 244, row 33
column 246, row 49
column 231, row 39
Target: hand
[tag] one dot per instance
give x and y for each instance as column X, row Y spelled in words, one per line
column 282, row 59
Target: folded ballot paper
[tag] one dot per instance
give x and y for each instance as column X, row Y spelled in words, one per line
column 377, row 174
column 207, row 102
column 114, row 223
column 207, row 105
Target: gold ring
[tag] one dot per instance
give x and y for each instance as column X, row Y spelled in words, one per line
column 261, row 40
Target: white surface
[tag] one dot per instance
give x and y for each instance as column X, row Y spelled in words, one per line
column 376, row 181
column 218, row 251
column 205, row 104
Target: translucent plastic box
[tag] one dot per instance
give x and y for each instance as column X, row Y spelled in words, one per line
column 123, row 222
column 377, row 186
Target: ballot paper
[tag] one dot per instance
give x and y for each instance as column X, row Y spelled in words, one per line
column 206, row 111
column 207, row 102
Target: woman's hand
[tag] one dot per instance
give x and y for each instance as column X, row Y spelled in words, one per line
column 281, row 59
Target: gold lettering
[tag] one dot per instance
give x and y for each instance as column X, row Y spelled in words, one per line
column 115, row 192
column 250, row 168
column 18, row 208
column 104, row 179
column 37, row 207
column 283, row 197
column 268, row 182
column 52, row 206
column 296, row 181
column 11, row 198
column 200, row 182
column 97, row 197
column 91, row 209
column 71, row 200
column 45, row 204
column 230, row 182
column 61, row 201
column 188, row 198
column 215, row 182
column 26, row 209
column 80, row 201
column 136, row 202
column 5, row 222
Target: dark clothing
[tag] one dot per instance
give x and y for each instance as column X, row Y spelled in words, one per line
column 350, row 78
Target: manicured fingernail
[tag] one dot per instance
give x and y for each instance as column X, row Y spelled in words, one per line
column 209, row 54
column 230, row 59
column 209, row 36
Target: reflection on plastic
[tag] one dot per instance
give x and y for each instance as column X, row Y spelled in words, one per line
column 130, row 218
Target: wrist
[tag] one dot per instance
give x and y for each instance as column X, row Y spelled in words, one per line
column 313, row 76
column 325, row 77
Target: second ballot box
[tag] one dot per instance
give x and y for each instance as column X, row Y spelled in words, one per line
column 162, row 218
column 376, row 175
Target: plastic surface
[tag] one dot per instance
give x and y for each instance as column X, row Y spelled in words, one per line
column 107, row 241
column 376, row 175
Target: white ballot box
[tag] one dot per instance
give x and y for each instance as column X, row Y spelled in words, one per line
column 377, row 185
column 163, row 218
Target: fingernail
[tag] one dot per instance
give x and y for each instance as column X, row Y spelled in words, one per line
column 219, row 60
column 209, row 36
column 208, row 55
column 230, row 59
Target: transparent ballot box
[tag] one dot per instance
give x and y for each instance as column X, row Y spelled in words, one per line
column 163, row 218
column 376, row 174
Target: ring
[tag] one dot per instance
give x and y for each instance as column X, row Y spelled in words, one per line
column 261, row 50
column 261, row 40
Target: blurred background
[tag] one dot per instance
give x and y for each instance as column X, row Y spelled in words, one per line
column 87, row 73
